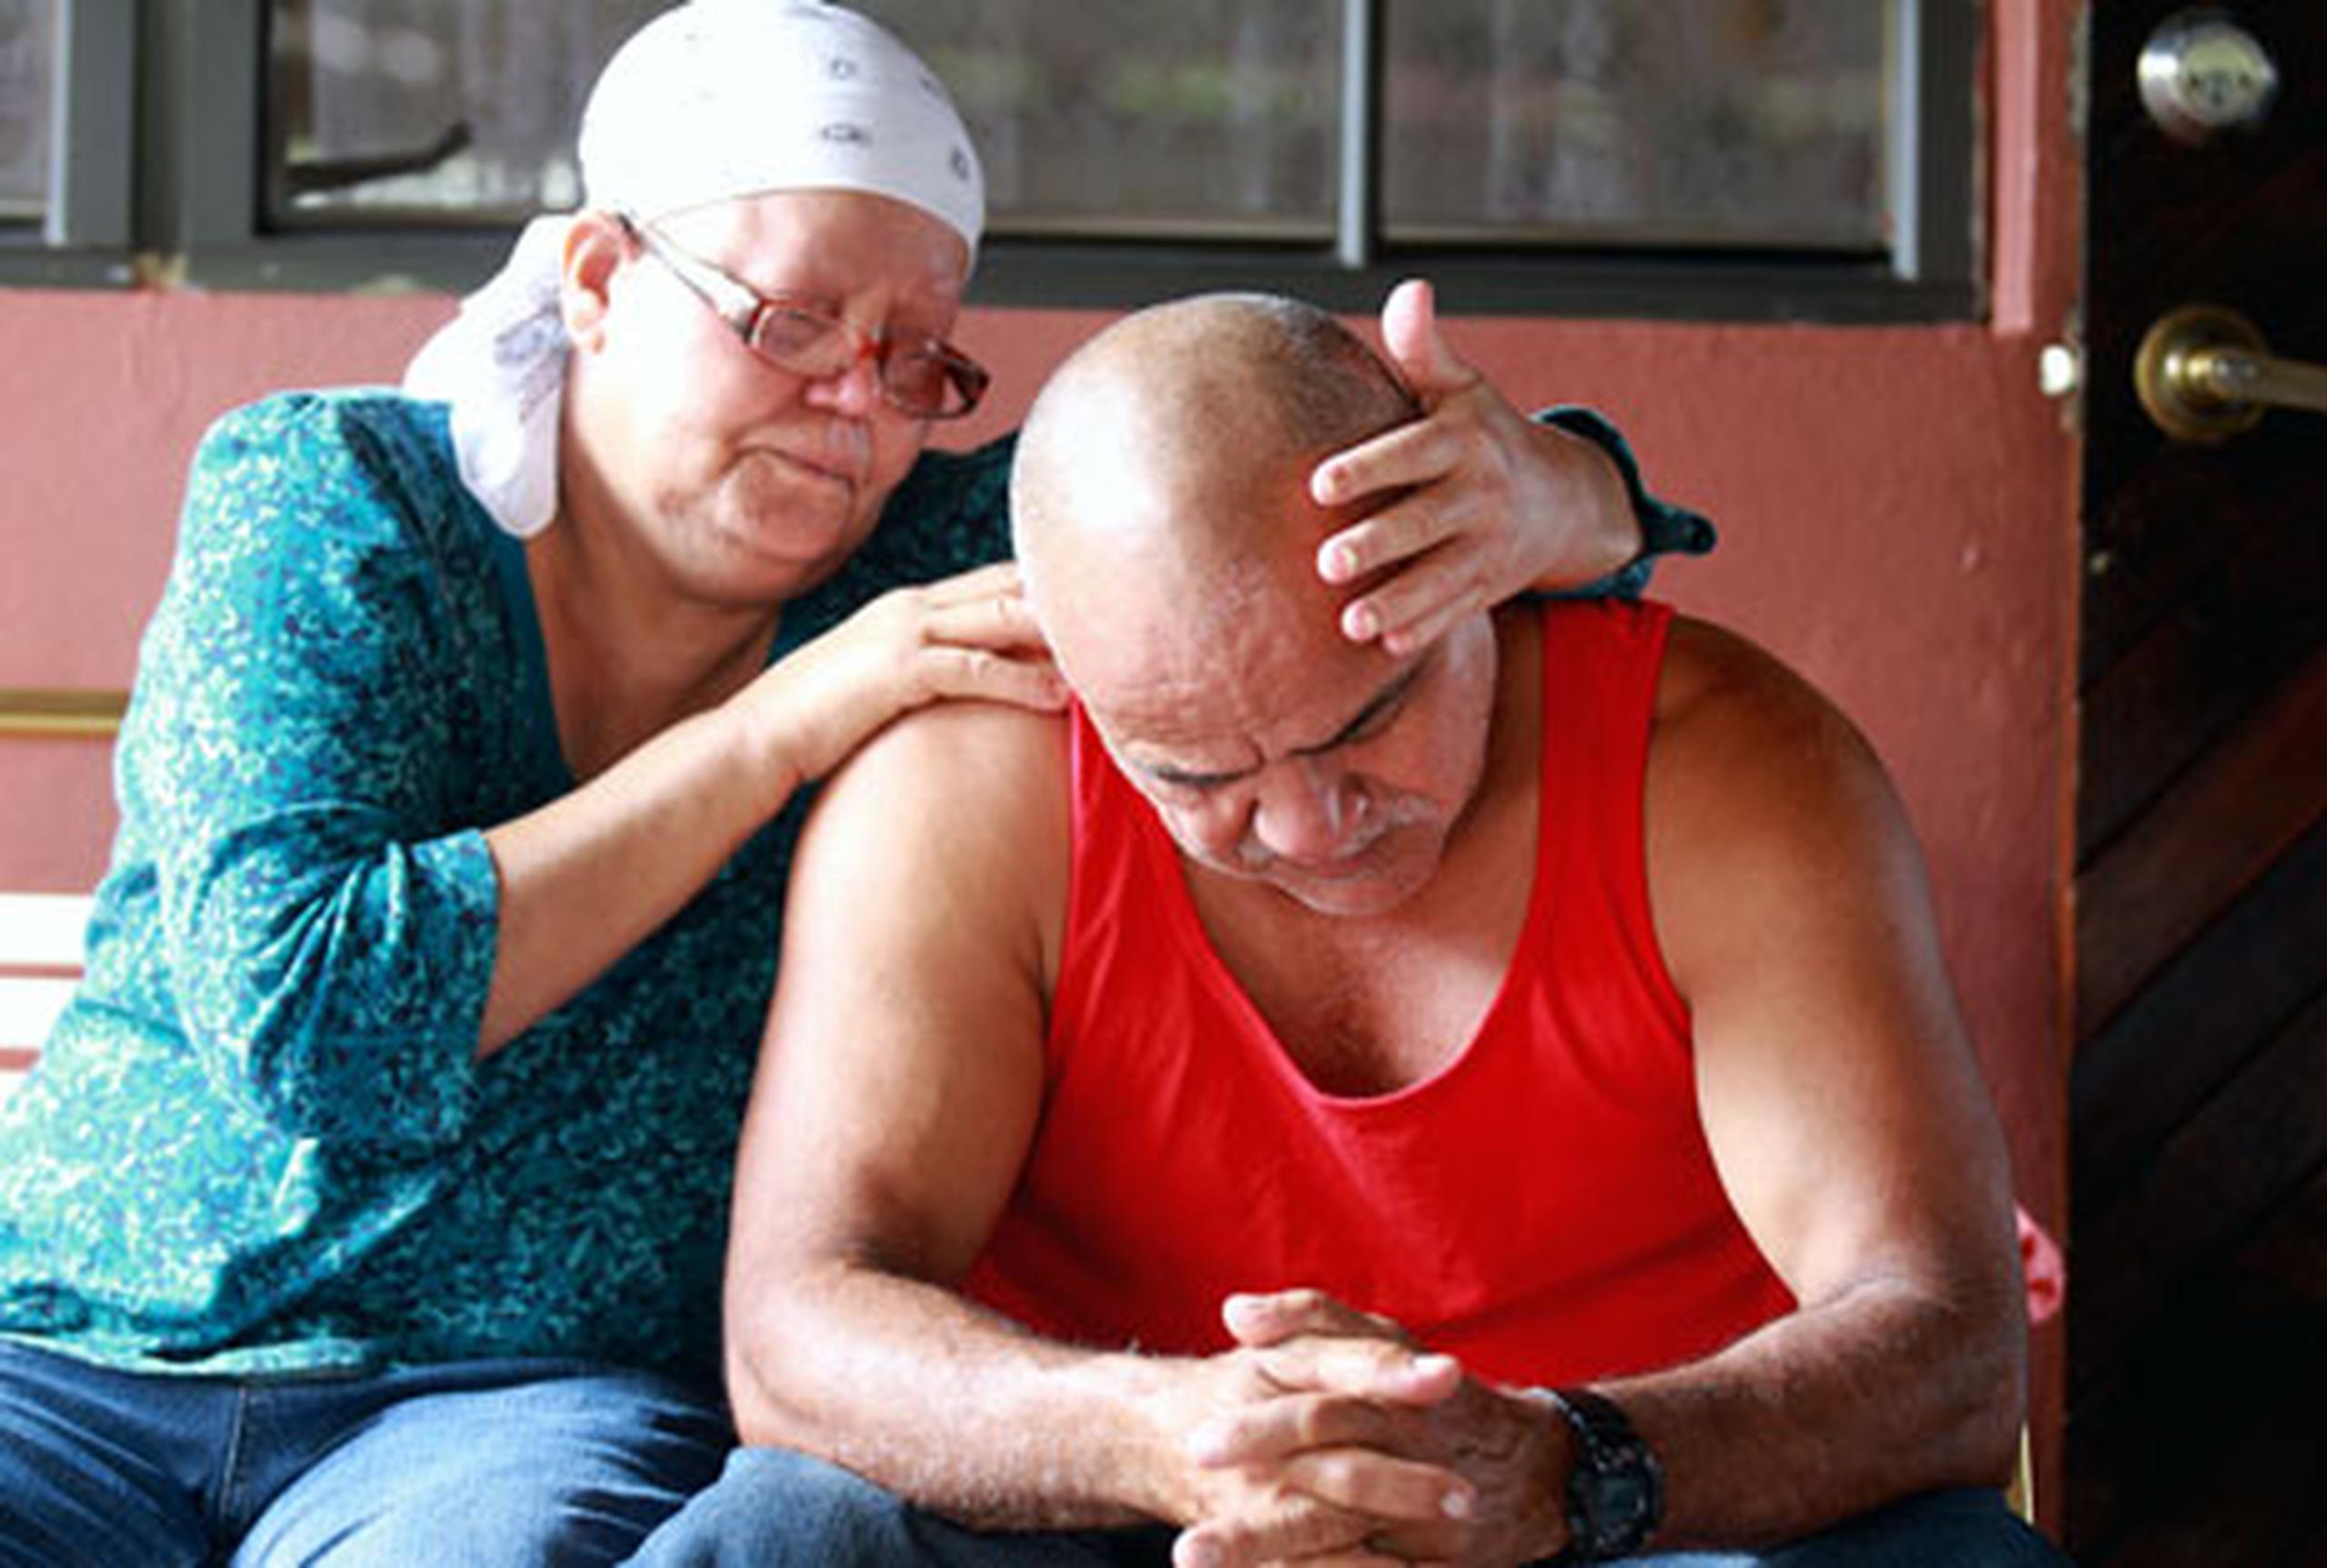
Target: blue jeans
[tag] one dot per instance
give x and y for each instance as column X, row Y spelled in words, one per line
column 771, row 1509
column 476, row 1463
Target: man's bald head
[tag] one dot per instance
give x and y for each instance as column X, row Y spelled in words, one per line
column 1166, row 465
column 1169, row 544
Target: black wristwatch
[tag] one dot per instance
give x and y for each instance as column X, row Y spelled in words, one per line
column 1615, row 1492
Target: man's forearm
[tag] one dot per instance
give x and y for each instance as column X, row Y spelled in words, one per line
column 953, row 1408
column 1881, row 1392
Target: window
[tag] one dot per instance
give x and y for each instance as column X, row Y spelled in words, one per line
column 1700, row 158
column 66, row 126
column 431, row 111
column 1648, row 123
column 1739, row 124
column 1212, row 121
column 27, row 71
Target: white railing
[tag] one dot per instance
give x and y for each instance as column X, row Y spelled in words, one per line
column 40, row 963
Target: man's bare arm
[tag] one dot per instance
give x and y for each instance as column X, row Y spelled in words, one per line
column 1845, row 1112
column 897, row 1096
column 897, row 1093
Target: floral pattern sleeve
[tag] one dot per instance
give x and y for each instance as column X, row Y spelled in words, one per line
column 331, row 941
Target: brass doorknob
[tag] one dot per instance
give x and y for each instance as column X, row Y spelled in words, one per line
column 2205, row 374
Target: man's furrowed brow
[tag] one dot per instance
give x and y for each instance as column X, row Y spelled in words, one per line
column 1380, row 704
column 1194, row 778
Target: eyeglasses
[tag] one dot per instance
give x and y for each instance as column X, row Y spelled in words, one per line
column 921, row 375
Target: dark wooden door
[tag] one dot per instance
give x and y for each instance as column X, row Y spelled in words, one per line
column 2197, row 1386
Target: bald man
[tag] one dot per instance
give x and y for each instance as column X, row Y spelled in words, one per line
column 1488, row 1101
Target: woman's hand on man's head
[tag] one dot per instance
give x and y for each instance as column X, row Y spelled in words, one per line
column 1481, row 502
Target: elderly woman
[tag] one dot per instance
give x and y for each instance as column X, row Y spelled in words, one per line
column 368, row 1203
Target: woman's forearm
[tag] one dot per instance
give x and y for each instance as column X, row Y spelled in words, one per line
column 590, row 875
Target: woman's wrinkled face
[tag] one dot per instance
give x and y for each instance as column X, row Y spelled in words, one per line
column 748, row 482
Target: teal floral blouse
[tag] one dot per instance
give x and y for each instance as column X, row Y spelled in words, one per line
column 258, row 1139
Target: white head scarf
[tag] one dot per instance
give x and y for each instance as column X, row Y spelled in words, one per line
column 711, row 101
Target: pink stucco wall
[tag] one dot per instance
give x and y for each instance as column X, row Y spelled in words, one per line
column 1895, row 504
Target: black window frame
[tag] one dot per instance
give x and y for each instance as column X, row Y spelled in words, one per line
column 191, row 76
column 87, row 226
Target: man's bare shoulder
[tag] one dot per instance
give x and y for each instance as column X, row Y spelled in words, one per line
column 965, row 803
column 1723, row 703
column 956, row 773
column 1762, row 800
column 950, row 748
column 1711, row 669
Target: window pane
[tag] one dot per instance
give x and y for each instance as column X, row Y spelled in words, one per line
column 1206, row 117
column 27, row 62
column 1746, row 123
column 1202, row 119
column 1637, row 121
column 456, row 110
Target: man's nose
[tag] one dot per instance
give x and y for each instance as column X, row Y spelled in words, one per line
column 1310, row 811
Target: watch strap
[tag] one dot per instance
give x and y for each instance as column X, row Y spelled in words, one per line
column 1608, row 1449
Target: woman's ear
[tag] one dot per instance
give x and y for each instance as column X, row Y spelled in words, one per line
column 597, row 245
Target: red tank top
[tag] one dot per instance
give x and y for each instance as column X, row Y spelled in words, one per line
column 1543, row 1207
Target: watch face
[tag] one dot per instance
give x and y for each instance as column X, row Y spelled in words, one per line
column 1617, row 1500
